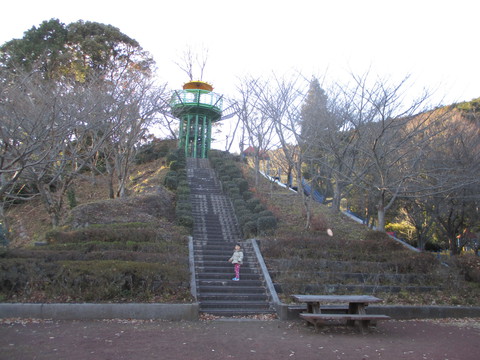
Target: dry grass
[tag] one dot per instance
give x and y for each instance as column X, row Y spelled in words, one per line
column 107, row 250
column 304, row 259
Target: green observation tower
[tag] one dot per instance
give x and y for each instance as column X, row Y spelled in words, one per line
column 197, row 108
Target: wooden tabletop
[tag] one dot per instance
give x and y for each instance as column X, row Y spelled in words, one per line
column 337, row 298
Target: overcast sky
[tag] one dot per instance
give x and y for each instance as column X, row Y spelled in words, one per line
column 436, row 41
column 433, row 41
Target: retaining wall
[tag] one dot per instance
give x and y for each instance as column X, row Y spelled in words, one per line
column 100, row 311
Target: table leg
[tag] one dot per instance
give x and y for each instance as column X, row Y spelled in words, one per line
column 310, row 308
column 356, row 308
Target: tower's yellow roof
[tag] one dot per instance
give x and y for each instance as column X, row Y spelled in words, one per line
column 197, row 85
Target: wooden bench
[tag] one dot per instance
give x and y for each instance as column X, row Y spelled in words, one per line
column 341, row 308
column 363, row 319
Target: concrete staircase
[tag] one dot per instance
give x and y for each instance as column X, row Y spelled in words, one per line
column 215, row 234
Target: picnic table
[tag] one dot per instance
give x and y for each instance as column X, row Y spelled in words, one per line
column 345, row 307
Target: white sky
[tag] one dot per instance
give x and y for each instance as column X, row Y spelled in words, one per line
column 435, row 41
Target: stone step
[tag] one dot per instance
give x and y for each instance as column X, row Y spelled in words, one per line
column 247, row 304
column 233, row 297
column 228, row 312
column 202, row 263
column 216, row 236
column 216, row 223
column 221, row 254
column 200, row 229
column 228, row 282
column 245, row 289
column 227, row 275
column 226, row 269
column 214, row 250
column 215, row 232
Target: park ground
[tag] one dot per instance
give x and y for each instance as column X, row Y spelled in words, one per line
column 212, row 339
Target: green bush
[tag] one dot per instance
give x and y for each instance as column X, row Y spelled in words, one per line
column 247, row 195
column 185, row 220
column 94, row 281
column 239, row 205
column 243, row 200
column 171, row 157
column 182, row 182
column 171, row 180
column 259, row 208
column 242, row 184
column 182, row 175
column 183, row 206
column 265, row 224
column 265, row 213
column 225, row 178
column 252, row 204
column 250, row 228
column 245, row 218
column 103, row 234
column 183, row 190
column 175, row 165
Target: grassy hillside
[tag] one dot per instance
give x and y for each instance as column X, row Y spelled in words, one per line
column 107, row 250
column 130, row 250
column 355, row 259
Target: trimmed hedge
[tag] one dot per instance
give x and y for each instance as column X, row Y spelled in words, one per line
column 252, row 215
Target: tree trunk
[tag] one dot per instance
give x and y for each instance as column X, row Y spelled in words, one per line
column 381, row 214
column 453, row 245
column 111, row 191
column 337, row 196
column 256, row 160
column 3, row 218
column 50, row 204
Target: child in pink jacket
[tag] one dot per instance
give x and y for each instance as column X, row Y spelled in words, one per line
column 237, row 260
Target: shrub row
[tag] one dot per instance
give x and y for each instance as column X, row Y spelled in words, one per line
column 123, row 262
column 93, row 281
column 253, row 216
column 126, row 232
column 176, row 180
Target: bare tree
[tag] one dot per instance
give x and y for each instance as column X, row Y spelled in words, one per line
column 393, row 139
column 72, row 113
column 258, row 126
column 27, row 132
column 280, row 100
column 193, row 62
column 330, row 138
column 132, row 110
column 451, row 178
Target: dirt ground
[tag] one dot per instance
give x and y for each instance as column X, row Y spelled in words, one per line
column 25, row 339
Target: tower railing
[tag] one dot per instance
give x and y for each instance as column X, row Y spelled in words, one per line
column 197, row 98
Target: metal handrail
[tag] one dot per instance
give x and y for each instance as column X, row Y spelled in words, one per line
column 198, row 98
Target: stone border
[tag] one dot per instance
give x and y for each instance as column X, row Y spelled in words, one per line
column 86, row 311
column 398, row 312
column 190, row 312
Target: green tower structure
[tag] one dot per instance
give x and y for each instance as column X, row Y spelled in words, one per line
column 197, row 108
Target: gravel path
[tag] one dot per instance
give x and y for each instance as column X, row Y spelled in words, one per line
column 236, row 339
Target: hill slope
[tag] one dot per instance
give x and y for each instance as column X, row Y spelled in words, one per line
column 107, row 250
column 353, row 260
